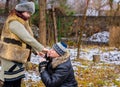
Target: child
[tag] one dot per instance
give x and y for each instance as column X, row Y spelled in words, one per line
column 56, row 70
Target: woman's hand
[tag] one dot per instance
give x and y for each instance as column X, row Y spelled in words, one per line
column 41, row 54
column 45, row 50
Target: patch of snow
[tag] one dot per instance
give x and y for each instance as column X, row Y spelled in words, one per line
column 74, row 63
column 111, row 56
column 87, row 54
column 108, row 57
column 118, row 79
column 100, row 37
column 32, row 75
column 35, row 59
column 73, row 53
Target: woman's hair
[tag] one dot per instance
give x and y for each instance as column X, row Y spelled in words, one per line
column 18, row 13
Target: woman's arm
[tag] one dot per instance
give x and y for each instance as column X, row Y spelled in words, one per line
column 18, row 29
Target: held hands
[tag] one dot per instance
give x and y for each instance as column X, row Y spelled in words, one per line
column 43, row 52
column 43, row 62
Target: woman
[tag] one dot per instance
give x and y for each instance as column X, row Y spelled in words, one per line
column 16, row 42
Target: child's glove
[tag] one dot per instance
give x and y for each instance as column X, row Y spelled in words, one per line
column 42, row 66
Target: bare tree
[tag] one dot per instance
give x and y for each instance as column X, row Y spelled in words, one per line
column 7, row 7
column 114, row 39
column 82, row 25
column 79, row 6
column 55, row 24
column 117, row 12
column 56, row 4
column 10, row 4
column 13, row 4
column 31, row 0
column 42, row 23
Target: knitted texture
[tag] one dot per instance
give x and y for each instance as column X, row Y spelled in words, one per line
column 26, row 6
column 60, row 48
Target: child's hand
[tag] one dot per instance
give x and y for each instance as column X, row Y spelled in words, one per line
column 42, row 59
column 41, row 54
column 42, row 66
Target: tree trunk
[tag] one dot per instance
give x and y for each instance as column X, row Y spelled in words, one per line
column 55, row 24
column 81, row 29
column 42, row 23
column 12, row 4
column 114, row 39
column 7, row 7
column 31, row 0
column 18, row 1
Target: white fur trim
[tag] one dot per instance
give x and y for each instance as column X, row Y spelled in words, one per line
column 27, row 6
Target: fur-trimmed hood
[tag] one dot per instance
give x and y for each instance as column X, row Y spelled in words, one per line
column 59, row 60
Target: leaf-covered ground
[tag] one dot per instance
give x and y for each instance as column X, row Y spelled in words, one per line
column 88, row 74
column 98, row 75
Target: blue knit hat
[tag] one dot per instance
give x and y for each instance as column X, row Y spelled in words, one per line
column 60, row 48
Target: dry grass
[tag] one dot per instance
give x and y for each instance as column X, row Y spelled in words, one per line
column 94, row 75
column 32, row 84
column 98, row 75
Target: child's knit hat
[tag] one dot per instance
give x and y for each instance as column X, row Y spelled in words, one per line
column 60, row 48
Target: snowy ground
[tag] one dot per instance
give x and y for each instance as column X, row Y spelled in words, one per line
column 100, row 37
column 106, row 55
column 87, row 54
column 112, row 56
